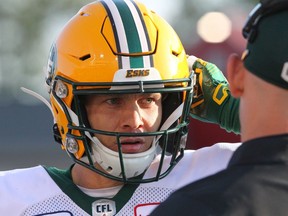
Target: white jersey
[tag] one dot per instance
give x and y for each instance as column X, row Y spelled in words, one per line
column 37, row 191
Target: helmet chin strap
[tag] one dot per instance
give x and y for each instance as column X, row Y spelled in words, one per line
column 134, row 164
column 176, row 114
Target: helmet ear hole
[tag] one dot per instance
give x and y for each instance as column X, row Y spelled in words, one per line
column 170, row 103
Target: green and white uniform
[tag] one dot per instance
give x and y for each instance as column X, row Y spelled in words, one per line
column 49, row 191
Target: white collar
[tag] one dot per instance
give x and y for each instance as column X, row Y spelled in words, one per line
column 103, row 192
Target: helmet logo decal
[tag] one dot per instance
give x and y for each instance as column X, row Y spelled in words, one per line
column 130, row 33
column 137, row 73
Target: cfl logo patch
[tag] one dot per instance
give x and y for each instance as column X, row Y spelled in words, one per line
column 284, row 73
column 103, row 207
column 137, row 73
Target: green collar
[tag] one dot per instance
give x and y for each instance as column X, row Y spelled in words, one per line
column 64, row 181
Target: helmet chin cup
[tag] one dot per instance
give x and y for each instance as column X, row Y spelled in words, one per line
column 133, row 164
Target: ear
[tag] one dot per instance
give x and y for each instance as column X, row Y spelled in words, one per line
column 235, row 75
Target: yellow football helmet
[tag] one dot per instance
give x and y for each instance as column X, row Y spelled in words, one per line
column 119, row 47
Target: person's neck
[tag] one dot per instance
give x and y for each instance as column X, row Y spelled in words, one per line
column 86, row 178
column 261, row 124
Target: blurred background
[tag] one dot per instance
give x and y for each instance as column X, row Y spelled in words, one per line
column 210, row 29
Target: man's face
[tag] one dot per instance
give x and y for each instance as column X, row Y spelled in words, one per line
column 128, row 113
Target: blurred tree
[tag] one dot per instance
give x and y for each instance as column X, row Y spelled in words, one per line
column 26, row 34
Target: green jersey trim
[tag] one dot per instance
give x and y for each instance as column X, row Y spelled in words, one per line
column 64, row 181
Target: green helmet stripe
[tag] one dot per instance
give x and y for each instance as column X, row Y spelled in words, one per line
column 133, row 40
column 131, row 34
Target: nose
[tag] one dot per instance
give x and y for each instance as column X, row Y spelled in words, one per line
column 131, row 117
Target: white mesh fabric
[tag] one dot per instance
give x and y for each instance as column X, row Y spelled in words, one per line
column 144, row 195
column 60, row 205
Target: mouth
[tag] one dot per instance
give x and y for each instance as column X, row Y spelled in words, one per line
column 133, row 145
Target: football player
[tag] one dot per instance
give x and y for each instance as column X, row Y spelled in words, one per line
column 121, row 91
